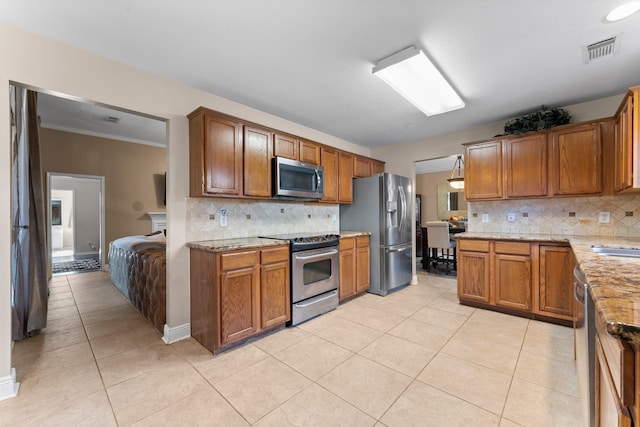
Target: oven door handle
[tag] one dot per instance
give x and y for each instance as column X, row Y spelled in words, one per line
column 332, row 294
column 322, row 255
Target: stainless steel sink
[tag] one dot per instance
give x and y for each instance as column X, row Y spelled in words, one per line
column 623, row 252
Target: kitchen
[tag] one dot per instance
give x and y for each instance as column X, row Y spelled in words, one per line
column 203, row 222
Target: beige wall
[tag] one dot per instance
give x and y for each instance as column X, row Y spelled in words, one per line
column 129, row 171
column 427, row 186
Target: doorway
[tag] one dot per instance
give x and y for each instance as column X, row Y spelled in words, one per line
column 75, row 222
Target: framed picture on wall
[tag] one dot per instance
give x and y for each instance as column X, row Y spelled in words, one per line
column 56, row 212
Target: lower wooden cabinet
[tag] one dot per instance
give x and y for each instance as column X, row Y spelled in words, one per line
column 236, row 294
column 531, row 278
column 354, row 266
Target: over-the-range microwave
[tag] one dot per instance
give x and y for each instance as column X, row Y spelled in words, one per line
column 293, row 179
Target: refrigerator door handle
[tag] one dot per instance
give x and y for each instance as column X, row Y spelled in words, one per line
column 398, row 249
column 403, row 208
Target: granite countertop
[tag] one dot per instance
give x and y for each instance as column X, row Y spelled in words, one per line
column 232, row 244
column 614, row 282
column 354, row 233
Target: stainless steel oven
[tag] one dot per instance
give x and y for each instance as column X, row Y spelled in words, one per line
column 315, row 274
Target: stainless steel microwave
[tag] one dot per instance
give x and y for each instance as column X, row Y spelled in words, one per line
column 297, row 180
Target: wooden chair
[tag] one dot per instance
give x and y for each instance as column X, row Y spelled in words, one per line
column 440, row 245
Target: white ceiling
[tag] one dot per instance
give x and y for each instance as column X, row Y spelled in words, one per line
column 310, row 61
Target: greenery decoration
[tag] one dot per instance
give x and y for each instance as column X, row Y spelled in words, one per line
column 544, row 119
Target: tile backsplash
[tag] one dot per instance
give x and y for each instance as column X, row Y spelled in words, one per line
column 251, row 218
column 568, row 216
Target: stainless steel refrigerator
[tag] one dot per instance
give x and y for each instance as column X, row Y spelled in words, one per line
column 381, row 205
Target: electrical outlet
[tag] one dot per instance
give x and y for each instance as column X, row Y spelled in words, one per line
column 604, row 217
column 223, row 217
column 334, row 218
column 485, row 217
column 511, row 217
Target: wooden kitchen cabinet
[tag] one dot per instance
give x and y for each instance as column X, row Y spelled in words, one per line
column 576, row 165
column 295, row 148
column 361, row 167
column 627, row 138
column 237, row 294
column 258, row 152
column 473, row 270
column 345, row 177
column 555, row 287
column 377, row 167
column 354, row 266
column 309, row 152
column 275, row 292
column 483, row 171
column 513, row 276
column 526, row 166
column 215, row 155
column 329, row 160
column 531, row 279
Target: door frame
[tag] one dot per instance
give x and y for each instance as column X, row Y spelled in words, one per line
column 100, row 179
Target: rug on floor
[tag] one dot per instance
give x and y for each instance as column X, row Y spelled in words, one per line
column 78, row 265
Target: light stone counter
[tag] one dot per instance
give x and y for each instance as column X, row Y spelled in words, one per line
column 232, row 244
column 354, row 233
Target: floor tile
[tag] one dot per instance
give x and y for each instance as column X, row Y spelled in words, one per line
column 452, row 306
column 47, row 362
column 110, row 314
column 529, row 404
column 558, row 375
column 281, row 339
column 350, row 335
column 124, row 340
column 365, row 384
column 229, row 363
column 108, row 327
column 555, row 342
column 203, row 408
column 313, row 357
column 472, row 383
column 46, row 341
column 59, row 313
column 398, row 354
column 489, row 354
column 261, row 388
column 440, row 318
column 422, row 405
column 315, row 407
column 503, row 333
column 192, row 351
column 63, row 324
column 430, row 336
column 374, row 318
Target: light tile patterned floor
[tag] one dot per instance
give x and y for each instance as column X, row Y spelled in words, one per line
column 413, row 358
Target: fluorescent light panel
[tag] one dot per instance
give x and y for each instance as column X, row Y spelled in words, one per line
column 411, row 74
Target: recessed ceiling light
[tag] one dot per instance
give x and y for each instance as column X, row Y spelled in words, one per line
column 623, row 11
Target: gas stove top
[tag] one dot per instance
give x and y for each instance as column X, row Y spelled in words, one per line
column 305, row 241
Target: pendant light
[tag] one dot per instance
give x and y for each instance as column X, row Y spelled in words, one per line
column 457, row 178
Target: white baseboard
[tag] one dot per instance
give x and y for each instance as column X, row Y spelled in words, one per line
column 8, row 386
column 177, row 333
column 414, row 280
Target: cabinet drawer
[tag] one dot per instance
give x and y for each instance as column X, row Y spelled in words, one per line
column 621, row 363
column 279, row 253
column 513, row 248
column 473, row 245
column 362, row 241
column 235, row 260
column 347, row 243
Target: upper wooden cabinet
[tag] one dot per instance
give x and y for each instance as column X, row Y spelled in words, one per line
column 294, row 148
column 526, row 166
column 627, row 138
column 215, row 156
column 483, row 171
column 329, row 160
column 309, row 152
column 377, row 167
column 345, row 176
column 576, row 160
column 257, row 161
column 361, row 167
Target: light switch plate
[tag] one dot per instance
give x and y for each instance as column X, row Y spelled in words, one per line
column 511, row 217
column 223, row 217
column 604, row 217
column 485, row 217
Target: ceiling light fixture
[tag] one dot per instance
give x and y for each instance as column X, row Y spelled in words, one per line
column 411, row 74
column 457, row 178
column 623, row 11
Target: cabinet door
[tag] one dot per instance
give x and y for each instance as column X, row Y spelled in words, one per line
column 513, row 281
column 285, row 146
column 275, row 298
column 362, row 264
column 345, row 174
column 361, row 167
column 347, row 267
column 526, row 166
column 257, row 162
column 555, row 295
column 239, row 304
column 329, row 158
column 309, row 152
column 483, row 171
column 222, row 156
column 473, row 276
column 576, row 160
column 377, row 167
column 609, row 409
column 623, row 169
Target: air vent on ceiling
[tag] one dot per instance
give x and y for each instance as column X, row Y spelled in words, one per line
column 111, row 119
column 601, row 50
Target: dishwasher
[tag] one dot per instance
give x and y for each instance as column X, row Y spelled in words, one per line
column 584, row 339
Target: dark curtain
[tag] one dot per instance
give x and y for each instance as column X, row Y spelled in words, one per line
column 29, row 277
